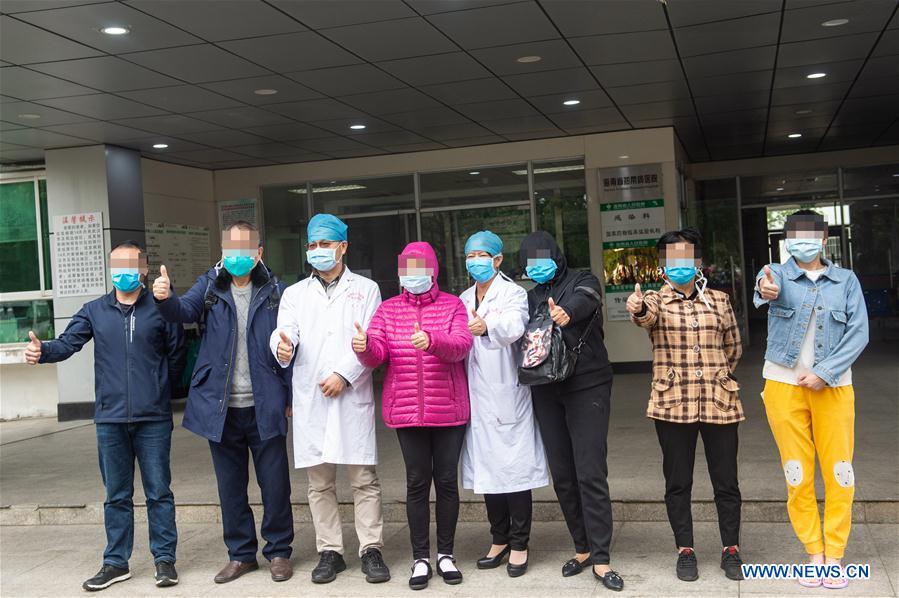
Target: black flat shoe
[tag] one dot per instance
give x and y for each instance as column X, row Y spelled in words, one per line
column 611, row 580
column 450, row 577
column 492, row 562
column 517, row 570
column 420, row 582
column 572, row 568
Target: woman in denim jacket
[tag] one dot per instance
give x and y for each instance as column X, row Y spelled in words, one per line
column 817, row 327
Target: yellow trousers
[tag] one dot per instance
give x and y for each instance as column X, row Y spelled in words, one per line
column 804, row 422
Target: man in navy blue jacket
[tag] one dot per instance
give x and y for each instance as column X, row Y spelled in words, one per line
column 239, row 396
column 137, row 355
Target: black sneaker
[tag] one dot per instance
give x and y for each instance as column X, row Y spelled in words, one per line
column 105, row 577
column 329, row 565
column 687, row 567
column 166, row 575
column 374, row 567
column 732, row 563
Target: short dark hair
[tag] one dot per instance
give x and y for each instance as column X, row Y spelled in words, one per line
column 128, row 243
column 685, row 235
column 806, row 216
column 244, row 225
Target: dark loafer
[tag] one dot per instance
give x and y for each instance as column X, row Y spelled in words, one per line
column 281, row 569
column 420, row 582
column 572, row 568
column 492, row 562
column 611, row 580
column 450, row 577
column 233, row 570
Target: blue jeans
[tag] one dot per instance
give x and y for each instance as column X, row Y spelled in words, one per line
column 118, row 445
column 231, row 459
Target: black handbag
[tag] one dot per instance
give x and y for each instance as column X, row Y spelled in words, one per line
column 545, row 358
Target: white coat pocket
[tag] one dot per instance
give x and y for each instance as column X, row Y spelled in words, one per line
column 504, row 403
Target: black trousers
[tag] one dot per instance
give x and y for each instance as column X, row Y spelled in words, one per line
column 678, row 442
column 575, row 426
column 231, row 459
column 510, row 518
column 431, row 453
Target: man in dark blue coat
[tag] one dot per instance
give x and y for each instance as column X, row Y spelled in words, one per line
column 239, row 396
column 137, row 355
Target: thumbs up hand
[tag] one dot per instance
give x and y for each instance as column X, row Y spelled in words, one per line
column 420, row 339
column 768, row 289
column 32, row 349
column 635, row 301
column 285, row 348
column 360, row 339
column 476, row 325
column 162, row 286
column 558, row 315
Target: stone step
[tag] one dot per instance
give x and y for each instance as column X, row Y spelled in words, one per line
column 886, row 511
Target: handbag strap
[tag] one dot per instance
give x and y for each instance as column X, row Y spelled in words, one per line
column 589, row 328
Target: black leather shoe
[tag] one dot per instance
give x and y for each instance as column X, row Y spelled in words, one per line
column 450, row 577
column 420, row 582
column 572, row 568
column 492, row 562
column 517, row 570
column 611, row 580
column 329, row 565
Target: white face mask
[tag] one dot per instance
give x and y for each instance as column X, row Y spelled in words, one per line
column 417, row 284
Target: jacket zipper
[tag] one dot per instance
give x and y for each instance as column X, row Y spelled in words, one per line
column 421, row 396
column 128, row 340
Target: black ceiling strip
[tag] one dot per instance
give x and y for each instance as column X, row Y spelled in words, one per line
column 857, row 75
column 680, row 61
column 884, row 132
column 780, row 29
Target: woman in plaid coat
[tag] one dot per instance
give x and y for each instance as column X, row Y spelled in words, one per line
column 695, row 347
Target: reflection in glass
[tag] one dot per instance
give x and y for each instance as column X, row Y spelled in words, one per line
column 361, row 196
column 374, row 244
column 561, row 197
column 284, row 241
column 474, row 186
column 796, row 187
column 871, row 181
column 874, row 248
column 18, row 238
column 18, row 317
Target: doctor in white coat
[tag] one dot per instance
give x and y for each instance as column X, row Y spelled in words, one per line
column 333, row 405
column 503, row 456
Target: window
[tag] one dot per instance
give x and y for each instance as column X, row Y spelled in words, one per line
column 473, row 186
column 25, row 285
column 284, row 213
column 560, row 194
column 871, row 181
column 344, row 198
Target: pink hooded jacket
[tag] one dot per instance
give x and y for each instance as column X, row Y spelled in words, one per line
column 421, row 388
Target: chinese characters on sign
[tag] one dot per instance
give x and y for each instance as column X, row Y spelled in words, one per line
column 235, row 210
column 184, row 249
column 632, row 211
column 79, row 258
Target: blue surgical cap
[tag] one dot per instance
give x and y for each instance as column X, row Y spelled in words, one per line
column 325, row 227
column 484, row 241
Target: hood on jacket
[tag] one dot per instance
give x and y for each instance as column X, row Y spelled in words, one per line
column 423, row 249
column 542, row 240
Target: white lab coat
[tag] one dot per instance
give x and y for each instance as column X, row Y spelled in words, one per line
column 503, row 450
column 338, row 430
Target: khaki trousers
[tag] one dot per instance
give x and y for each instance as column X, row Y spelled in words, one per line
column 366, row 500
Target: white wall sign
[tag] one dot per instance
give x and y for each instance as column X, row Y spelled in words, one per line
column 79, row 260
column 237, row 209
column 183, row 248
column 632, row 212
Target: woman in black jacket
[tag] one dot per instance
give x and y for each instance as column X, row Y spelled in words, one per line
column 573, row 415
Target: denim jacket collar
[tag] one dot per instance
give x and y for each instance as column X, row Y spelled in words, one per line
column 793, row 271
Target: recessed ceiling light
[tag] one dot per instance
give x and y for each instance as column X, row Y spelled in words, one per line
column 803, row 112
column 624, row 157
column 794, row 135
column 28, row 116
column 265, row 92
column 160, row 145
column 115, row 30
column 571, row 102
column 474, row 172
column 780, row 188
column 816, row 76
column 527, row 59
column 834, row 22
column 357, row 127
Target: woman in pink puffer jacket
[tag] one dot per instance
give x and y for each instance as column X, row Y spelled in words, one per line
column 422, row 335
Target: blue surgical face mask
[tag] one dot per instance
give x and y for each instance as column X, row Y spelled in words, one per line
column 480, row 268
column 322, row 258
column 416, row 284
column 237, row 264
column 541, row 269
column 125, row 279
column 804, row 250
column 680, row 270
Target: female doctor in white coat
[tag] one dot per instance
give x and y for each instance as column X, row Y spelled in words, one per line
column 503, row 456
column 333, row 403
